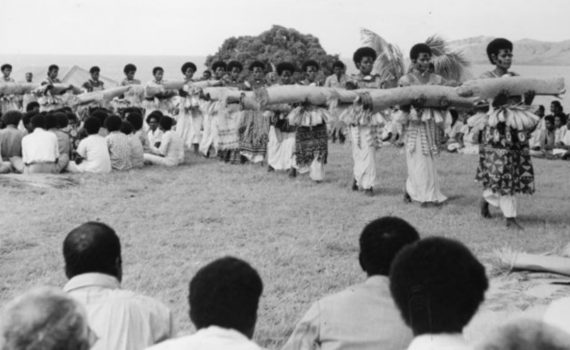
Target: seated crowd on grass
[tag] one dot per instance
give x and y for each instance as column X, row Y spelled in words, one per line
column 418, row 293
column 55, row 141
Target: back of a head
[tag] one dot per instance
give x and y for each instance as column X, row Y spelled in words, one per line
column 135, row 118
column 438, row 285
column 92, row 247
column 38, row 121
column 32, row 105
column 51, row 120
column 92, row 125
column 113, row 123
column 100, row 114
column 225, row 293
column 44, row 319
column 380, row 242
column 126, row 128
column 526, row 334
column 166, row 123
column 12, row 118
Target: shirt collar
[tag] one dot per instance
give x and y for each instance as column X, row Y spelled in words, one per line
column 439, row 341
column 377, row 280
column 215, row 331
column 92, row 279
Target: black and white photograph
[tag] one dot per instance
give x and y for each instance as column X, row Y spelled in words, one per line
column 284, row 175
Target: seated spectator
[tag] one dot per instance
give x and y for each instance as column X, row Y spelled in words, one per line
column 33, row 107
column 154, row 132
column 438, row 285
column 224, row 297
column 92, row 152
column 563, row 148
column 54, row 120
column 136, row 147
column 118, row 144
column 526, row 334
column 40, row 150
column 556, row 109
column 558, row 131
column 135, row 117
column 46, row 319
column 123, row 320
column 534, row 141
column 11, row 142
column 363, row 316
column 547, row 138
column 171, row 150
column 472, row 130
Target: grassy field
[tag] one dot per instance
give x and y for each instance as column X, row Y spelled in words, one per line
column 302, row 237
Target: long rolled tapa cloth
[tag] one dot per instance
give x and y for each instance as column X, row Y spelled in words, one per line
column 102, row 96
column 509, row 259
column 177, row 85
column 434, row 95
column 18, row 88
column 489, row 88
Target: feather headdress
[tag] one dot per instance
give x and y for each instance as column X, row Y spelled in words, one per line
column 450, row 64
column 389, row 64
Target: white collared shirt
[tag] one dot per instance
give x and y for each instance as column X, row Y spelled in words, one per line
column 440, row 342
column 122, row 320
column 211, row 338
column 362, row 317
column 96, row 156
column 40, row 146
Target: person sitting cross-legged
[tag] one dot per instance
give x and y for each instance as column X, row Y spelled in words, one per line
column 47, row 319
column 118, row 144
column 11, row 141
column 136, row 147
column 363, row 316
column 438, row 285
column 170, row 152
column 40, row 149
column 122, row 319
column 92, row 152
column 224, row 297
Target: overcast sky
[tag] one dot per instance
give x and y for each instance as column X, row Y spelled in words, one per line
column 198, row 27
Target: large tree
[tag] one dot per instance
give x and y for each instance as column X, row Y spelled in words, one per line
column 274, row 46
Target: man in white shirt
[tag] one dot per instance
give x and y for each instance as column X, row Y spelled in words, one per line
column 224, row 297
column 363, row 316
column 121, row 319
column 438, row 285
column 92, row 151
column 171, row 150
column 40, row 149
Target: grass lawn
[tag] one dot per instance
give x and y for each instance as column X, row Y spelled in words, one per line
column 302, row 237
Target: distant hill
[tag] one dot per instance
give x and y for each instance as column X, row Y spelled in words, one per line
column 527, row 51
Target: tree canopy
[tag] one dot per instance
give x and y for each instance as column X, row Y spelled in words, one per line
column 274, row 46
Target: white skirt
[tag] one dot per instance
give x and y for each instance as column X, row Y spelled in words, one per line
column 363, row 155
column 280, row 148
column 422, row 184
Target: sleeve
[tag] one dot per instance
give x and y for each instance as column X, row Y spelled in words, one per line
column 306, row 335
column 162, row 323
column 55, row 147
column 328, row 82
column 82, row 148
column 164, row 144
column 25, row 156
